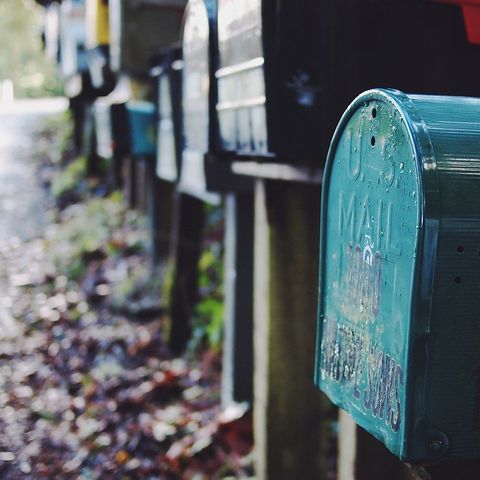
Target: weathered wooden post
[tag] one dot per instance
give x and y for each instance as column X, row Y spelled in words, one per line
column 289, row 414
column 192, row 190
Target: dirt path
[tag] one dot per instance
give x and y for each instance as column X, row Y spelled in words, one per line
column 22, row 201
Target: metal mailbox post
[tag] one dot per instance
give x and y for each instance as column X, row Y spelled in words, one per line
column 398, row 330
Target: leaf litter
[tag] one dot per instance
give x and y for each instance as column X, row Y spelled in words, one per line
column 88, row 387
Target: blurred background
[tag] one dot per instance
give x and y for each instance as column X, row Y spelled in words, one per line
column 161, row 165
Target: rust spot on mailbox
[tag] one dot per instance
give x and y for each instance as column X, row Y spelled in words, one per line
column 398, row 332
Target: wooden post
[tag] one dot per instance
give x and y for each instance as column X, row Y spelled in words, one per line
column 187, row 244
column 467, row 470
column 288, row 409
column 129, row 183
column 142, row 183
column 160, row 206
column 362, row 457
column 77, row 107
column 237, row 374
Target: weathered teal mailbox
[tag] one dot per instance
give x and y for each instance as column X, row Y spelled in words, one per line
column 399, row 299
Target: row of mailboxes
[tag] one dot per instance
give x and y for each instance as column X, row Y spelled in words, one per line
column 398, row 330
column 284, row 71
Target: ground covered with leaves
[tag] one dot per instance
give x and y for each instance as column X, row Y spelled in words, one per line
column 89, row 389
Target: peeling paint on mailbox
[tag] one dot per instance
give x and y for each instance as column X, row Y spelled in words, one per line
column 389, row 183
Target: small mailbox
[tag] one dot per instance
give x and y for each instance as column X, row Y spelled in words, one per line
column 288, row 69
column 72, row 38
column 138, row 28
column 398, row 331
column 97, row 44
column 111, row 122
column 169, row 138
column 199, row 30
column 143, row 135
column 112, row 129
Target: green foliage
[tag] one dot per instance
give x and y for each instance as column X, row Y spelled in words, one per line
column 70, row 178
column 209, row 312
column 90, row 228
column 22, row 58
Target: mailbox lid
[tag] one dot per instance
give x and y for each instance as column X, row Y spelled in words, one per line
column 139, row 28
column 371, row 255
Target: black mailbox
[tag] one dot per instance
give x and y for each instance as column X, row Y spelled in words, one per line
column 288, row 68
column 138, row 28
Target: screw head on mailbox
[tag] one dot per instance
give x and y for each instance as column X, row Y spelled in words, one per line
column 398, row 342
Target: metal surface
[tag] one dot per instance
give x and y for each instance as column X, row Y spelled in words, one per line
column 143, row 135
column 288, row 69
column 167, row 168
column 139, row 28
column 169, row 141
column 398, row 309
column 196, row 98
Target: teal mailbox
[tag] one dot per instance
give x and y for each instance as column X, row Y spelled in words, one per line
column 399, row 299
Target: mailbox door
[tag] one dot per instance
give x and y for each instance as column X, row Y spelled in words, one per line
column 371, row 236
column 241, row 83
column 196, row 99
column 138, row 28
